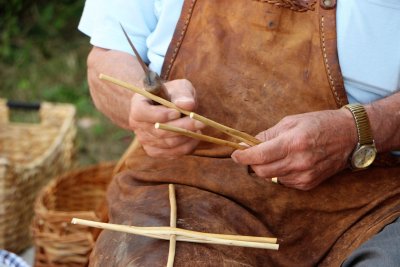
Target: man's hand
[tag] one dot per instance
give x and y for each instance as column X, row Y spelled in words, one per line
column 135, row 112
column 303, row 150
column 158, row 143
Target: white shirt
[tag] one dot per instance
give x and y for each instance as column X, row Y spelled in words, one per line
column 149, row 23
column 369, row 48
column 368, row 38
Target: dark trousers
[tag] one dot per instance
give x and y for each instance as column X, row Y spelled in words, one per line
column 382, row 250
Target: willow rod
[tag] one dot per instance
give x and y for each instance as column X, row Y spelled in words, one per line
column 164, row 230
column 173, row 217
column 186, row 235
column 241, row 136
column 198, row 136
column 275, row 180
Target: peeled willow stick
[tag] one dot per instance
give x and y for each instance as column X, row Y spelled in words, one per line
column 173, row 216
column 275, row 180
column 144, row 93
column 164, row 232
column 241, row 136
column 186, row 235
column 201, row 137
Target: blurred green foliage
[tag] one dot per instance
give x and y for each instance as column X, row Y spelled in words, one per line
column 43, row 58
column 42, row 53
column 36, row 19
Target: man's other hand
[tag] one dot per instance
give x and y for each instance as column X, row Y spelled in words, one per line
column 303, row 150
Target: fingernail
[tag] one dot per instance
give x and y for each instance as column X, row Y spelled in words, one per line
column 184, row 99
column 244, row 144
column 173, row 115
column 199, row 125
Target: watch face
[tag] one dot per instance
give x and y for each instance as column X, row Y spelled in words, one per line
column 364, row 156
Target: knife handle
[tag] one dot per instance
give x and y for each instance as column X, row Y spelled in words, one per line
column 155, row 85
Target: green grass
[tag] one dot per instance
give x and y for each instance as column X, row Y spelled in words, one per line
column 43, row 58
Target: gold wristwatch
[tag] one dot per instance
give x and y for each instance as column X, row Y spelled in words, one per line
column 365, row 152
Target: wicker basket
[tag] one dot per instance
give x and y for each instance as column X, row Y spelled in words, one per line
column 30, row 154
column 80, row 194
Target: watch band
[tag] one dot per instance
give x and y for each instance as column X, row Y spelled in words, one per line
column 362, row 123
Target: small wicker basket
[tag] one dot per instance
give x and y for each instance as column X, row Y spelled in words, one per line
column 30, row 155
column 79, row 193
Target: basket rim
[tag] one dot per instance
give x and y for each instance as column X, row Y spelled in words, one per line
column 40, row 207
column 67, row 123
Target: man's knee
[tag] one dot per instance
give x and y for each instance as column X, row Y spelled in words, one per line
column 382, row 250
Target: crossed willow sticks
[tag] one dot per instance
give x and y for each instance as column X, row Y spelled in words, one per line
column 173, row 234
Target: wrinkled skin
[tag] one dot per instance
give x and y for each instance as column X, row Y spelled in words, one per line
column 302, row 150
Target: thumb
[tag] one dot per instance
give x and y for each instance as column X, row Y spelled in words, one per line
column 182, row 94
column 268, row 134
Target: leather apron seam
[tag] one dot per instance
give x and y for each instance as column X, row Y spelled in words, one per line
column 170, row 59
column 328, row 69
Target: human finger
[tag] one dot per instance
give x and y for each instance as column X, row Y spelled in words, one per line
column 276, row 168
column 142, row 110
column 268, row 134
column 302, row 181
column 147, row 134
column 263, row 153
column 173, row 138
column 182, row 93
column 184, row 123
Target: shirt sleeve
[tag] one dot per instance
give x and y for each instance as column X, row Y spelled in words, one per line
column 101, row 22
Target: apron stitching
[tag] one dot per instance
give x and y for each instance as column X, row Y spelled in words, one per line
column 182, row 34
column 291, row 5
column 328, row 68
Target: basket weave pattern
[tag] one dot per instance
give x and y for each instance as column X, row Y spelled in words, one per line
column 30, row 155
column 80, row 194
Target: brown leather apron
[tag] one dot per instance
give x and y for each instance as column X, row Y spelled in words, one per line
column 252, row 63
